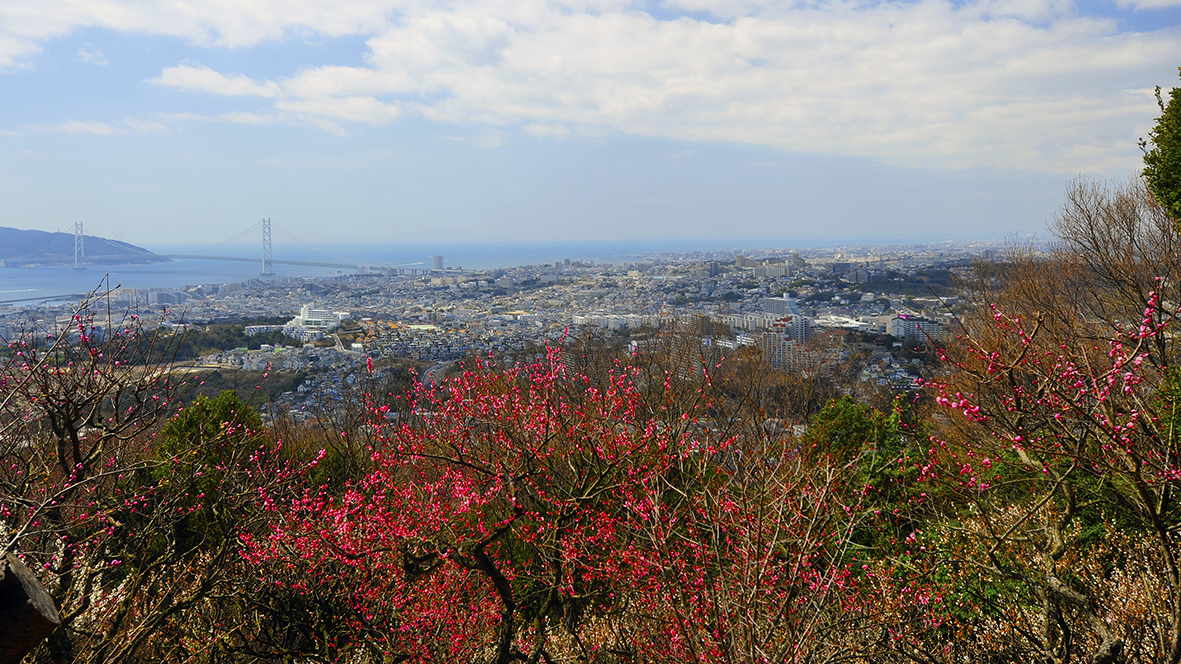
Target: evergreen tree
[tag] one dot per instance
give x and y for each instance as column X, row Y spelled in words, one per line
column 1162, row 163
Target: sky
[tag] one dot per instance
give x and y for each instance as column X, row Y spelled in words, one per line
column 751, row 121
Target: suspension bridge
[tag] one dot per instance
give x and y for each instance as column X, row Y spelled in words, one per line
column 266, row 258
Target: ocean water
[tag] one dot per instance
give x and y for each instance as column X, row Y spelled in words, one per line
column 55, row 284
column 469, row 255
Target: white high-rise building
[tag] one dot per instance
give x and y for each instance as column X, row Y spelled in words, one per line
column 782, row 306
column 318, row 319
column 915, row 328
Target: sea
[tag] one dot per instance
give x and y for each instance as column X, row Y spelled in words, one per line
column 53, row 284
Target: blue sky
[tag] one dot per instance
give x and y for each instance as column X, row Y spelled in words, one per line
column 480, row 120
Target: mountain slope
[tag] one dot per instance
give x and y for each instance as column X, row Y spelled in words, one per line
column 20, row 247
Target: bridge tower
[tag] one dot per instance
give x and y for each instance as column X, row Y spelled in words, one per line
column 79, row 249
column 268, row 269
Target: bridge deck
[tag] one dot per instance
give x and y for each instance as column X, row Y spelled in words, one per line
column 244, row 259
column 277, row 261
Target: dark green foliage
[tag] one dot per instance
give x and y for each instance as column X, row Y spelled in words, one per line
column 220, row 336
column 208, row 420
column 1162, row 161
column 335, row 469
column 880, row 446
column 919, row 283
column 848, row 428
column 255, row 387
column 1168, row 406
column 195, row 448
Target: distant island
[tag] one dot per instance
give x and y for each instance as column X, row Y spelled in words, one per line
column 20, row 248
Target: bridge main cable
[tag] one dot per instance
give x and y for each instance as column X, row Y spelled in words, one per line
column 276, row 261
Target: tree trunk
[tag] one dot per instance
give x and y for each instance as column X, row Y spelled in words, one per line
column 27, row 614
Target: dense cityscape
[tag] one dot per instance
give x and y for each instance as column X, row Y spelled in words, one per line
column 797, row 306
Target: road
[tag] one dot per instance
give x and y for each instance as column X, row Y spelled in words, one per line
column 433, row 370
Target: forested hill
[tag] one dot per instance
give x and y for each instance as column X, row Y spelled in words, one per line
column 20, row 247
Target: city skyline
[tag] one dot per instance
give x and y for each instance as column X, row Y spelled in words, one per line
column 613, row 120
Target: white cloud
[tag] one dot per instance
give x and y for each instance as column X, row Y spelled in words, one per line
column 230, row 118
column 26, row 24
column 1031, row 84
column 80, row 127
column 247, row 118
column 310, row 107
column 554, row 131
column 990, row 83
column 346, row 109
column 91, row 56
column 489, row 138
column 146, row 126
column 1147, row 4
column 204, row 79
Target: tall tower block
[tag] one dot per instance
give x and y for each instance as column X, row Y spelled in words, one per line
column 268, row 270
